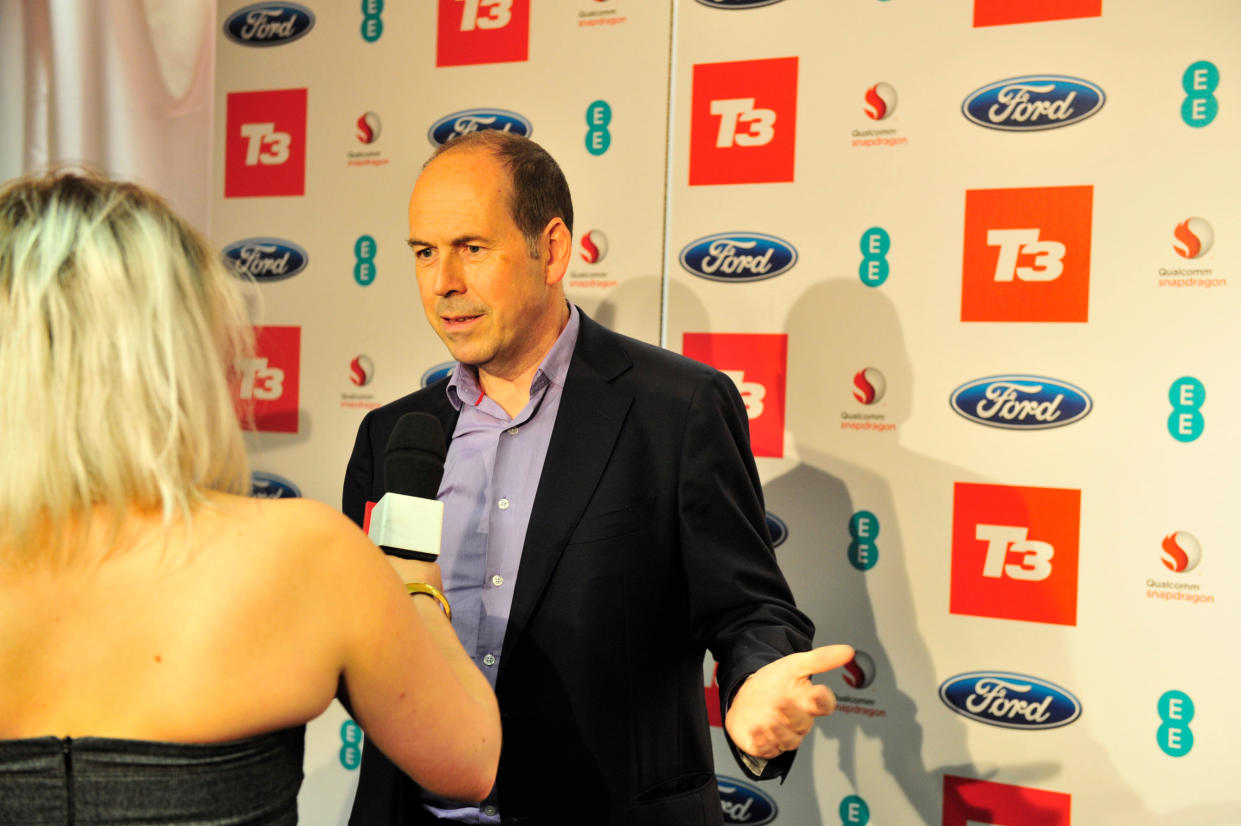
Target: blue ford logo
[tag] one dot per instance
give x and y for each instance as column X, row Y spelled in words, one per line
column 269, row 24
column 476, row 120
column 1027, row 104
column 743, row 803
column 270, row 486
column 1010, row 700
column 439, row 371
column 737, row 4
column 778, row 530
column 1019, row 402
column 265, row 259
column 738, row 256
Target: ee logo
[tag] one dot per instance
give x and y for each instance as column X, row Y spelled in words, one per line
column 1186, row 395
column 863, row 529
column 598, row 138
column 854, row 811
column 1176, row 711
column 874, row 268
column 350, row 743
column 364, row 250
column 372, row 22
column 1199, row 82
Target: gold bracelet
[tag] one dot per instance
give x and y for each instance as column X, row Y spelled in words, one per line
column 431, row 591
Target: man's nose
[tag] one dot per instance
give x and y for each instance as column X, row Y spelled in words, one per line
column 449, row 277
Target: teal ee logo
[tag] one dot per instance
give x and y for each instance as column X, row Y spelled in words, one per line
column 863, row 528
column 1199, row 82
column 364, row 250
column 372, row 22
column 350, row 745
column 874, row 267
column 1176, row 711
column 1186, row 395
column 598, row 138
column 854, row 811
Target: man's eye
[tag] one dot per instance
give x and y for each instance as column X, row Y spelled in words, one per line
column 424, row 252
column 474, row 248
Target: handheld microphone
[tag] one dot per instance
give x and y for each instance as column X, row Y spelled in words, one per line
column 407, row 521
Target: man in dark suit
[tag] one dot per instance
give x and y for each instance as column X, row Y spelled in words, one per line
column 604, row 526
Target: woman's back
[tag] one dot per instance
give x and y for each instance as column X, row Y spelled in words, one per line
column 234, row 635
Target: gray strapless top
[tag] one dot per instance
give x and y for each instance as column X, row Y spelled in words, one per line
column 102, row 780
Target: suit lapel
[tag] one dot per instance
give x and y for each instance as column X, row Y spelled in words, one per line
column 589, row 419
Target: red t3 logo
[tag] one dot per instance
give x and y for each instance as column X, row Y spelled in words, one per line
column 743, row 123
column 268, row 382
column 758, row 364
column 1027, row 254
column 970, row 802
column 1003, row 12
column 1014, row 552
column 470, row 32
column 265, row 149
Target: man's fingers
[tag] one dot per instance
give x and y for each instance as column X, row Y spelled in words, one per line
column 818, row 660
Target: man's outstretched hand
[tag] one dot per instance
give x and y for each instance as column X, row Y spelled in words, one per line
column 776, row 707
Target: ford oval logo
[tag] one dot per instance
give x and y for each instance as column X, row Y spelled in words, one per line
column 270, row 486
column 265, row 259
column 738, row 256
column 1010, row 700
column 778, row 530
column 743, row 803
column 476, row 120
column 269, row 24
column 1027, row 104
column 1019, row 402
column 737, row 4
column 439, row 371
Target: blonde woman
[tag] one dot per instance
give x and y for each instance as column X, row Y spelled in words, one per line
column 163, row 638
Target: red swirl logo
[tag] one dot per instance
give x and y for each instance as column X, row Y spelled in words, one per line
column 1193, row 238
column 869, row 385
column 1181, row 552
column 880, row 101
column 368, row 128
column 361, row 370
column 594, row 246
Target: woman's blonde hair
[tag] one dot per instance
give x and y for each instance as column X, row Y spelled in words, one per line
column 118, row 330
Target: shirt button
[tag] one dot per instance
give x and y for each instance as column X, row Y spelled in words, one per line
column 490, row 811
column 503, row 503
column 512, row 431
column 497, row 580
column 489, row 659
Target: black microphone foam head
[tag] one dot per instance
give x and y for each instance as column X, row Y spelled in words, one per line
column 414, row 457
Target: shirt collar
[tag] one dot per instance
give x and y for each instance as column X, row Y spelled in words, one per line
column 463, row 386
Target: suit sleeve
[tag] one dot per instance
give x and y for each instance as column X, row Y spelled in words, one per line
column 741, row 606
column 359, row 474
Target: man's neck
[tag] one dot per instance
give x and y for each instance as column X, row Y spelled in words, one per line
column 512, row 390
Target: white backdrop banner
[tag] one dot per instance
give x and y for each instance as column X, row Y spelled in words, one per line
column 970, row 263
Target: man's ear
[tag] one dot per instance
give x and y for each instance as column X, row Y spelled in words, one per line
column 556, row 249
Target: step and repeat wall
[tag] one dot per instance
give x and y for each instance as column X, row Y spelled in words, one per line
column 973, row 265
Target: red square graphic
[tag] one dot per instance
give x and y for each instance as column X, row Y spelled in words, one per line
column 758, row 364
column 265, row 145
column 1027, row 254
column 1003, row 12
column 743, row 122
column 268, row 382
column 1014, row 552
column 969, row 802
column 470, row 32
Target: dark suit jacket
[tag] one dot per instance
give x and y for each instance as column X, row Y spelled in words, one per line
column 647, row 544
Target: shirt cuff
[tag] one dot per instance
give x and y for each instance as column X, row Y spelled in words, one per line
column 755, row 764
